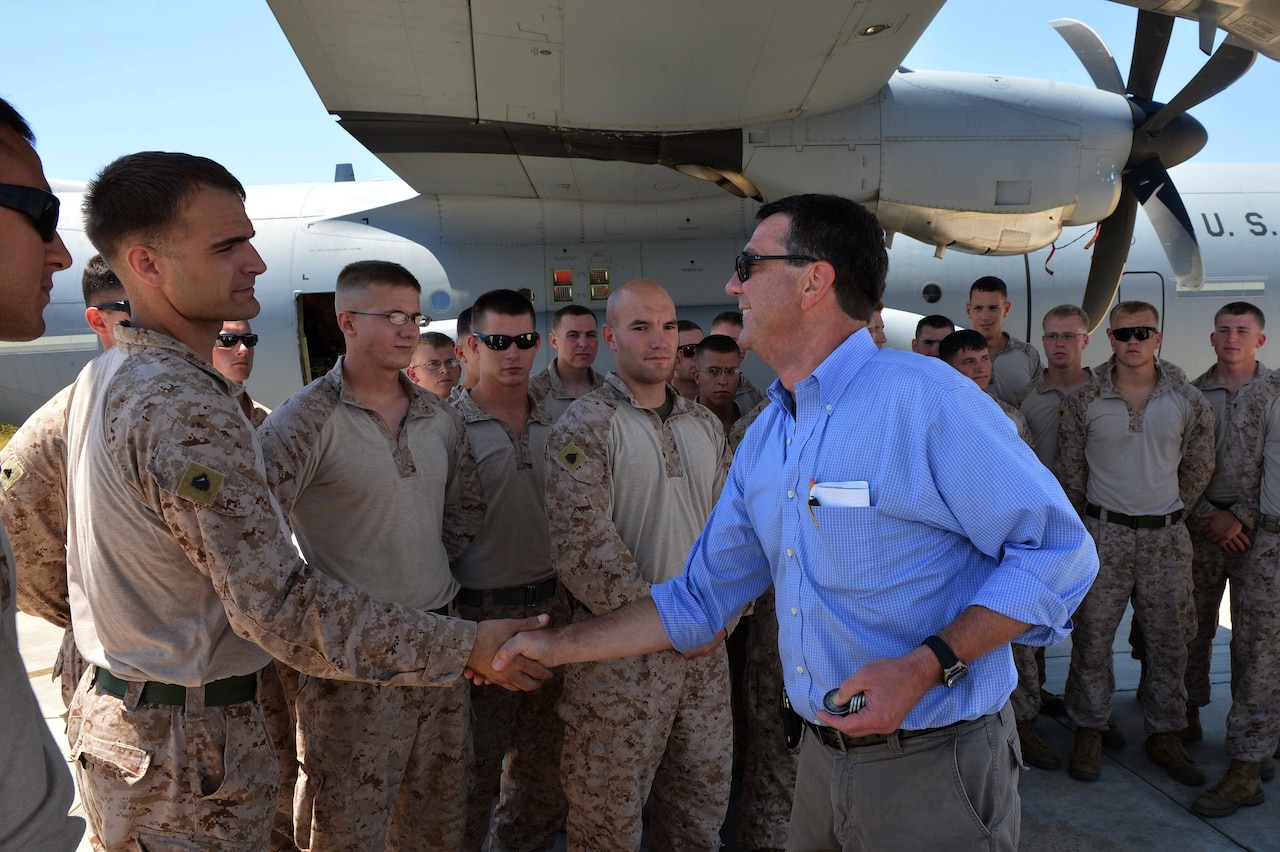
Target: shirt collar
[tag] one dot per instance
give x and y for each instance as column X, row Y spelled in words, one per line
column 133, row 340
column 830, row 379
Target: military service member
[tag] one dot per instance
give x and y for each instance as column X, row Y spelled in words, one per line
column 576, row 340
column 1014, row 362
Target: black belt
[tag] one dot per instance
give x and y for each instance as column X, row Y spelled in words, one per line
column 1270, row 523
column 1133, row 522
column 515, row 596
column 841, row 741
column 220, row 693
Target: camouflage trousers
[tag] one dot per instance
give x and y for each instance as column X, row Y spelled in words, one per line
column 1153, row 568
column 277, row 692
column 1026, row 695
column 769, row 770
column 655, row 723
column 516, row 737
column 381, row 767
column 166, row 777
column 69, row 666
column 1211, row 567
column 1253, row 723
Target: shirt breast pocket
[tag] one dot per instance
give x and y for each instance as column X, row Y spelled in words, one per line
column 850, row 543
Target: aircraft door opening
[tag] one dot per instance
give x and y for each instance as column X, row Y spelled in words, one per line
column 320, row 341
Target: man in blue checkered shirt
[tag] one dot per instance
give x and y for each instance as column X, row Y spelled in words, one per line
column 910, row 538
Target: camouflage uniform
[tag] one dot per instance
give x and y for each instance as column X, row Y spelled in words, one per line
column 1152, row 462
column 1211, row 565
column 1253, row 723
column 371, row 755
column 181, row 571
column 1040, row 403
column 516, row 736
column 627, row 495
column 547, row 390
column 1012, row 367
column 748, row 396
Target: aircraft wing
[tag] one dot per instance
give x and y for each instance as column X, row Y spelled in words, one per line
column 435, row 88
column 1256, row 23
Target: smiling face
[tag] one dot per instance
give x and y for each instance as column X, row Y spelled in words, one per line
column 26, row 274
column 770, row 297
column 974, row 363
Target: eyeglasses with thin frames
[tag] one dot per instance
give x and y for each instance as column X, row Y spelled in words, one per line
column 1142, row 332
column 42, row 207
column 742, row 264
column 717, row 372
column 434, row 366
column 398, row 317
column 502, row 342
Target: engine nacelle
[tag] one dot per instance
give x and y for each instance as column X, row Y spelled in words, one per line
column 978, row 163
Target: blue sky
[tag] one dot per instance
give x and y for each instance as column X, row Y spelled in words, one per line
column 98, row 80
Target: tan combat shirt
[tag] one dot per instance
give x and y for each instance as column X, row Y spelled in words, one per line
column 384, row 514
column 1153, row 461
column 1257, row 465
column 627, row 494
column 180, row 564
column 1040, row 403
column 513, row 546
column 1019, row 422
column 1223, row 490
column 548, row 391
column 1012, row 367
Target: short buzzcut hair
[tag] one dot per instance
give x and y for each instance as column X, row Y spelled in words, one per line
column 989, row 284
column 719, row 344
column 571, row 311
column 12, row 119
column 1133, row 306
column 364, row 274
column 139, row 197
column 687, row 325
column 98, row 283
column 842, row 233
column 1240, row 309
column 436, row 339
column 504, row 303
column 729, row 317
column 1066, row 312
column 964, row 340
column 464, row 323
column 934, row 321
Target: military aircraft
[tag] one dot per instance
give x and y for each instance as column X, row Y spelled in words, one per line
column 542, row 147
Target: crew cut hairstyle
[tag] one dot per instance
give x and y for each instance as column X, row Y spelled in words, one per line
column 363, row 274
column 506, row 303
column 1240, row 309
column 464, row 324
column 933, row 321
column 730, row 317
column 720, row 344
column 1067, row 312
column 989, row 284
column 12, row 119
column 98, row 283
column 844, row 234
column 571, row 311
column 436, row 339
column 1133, row 307
column 139, row 197
column 964, row 340
column 687, row 325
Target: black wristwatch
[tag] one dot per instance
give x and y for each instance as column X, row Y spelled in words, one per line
column 953, row 670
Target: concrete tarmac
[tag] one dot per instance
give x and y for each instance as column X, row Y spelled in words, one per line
column 1134, row 805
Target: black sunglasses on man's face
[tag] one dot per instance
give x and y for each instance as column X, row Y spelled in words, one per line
column 42, row 207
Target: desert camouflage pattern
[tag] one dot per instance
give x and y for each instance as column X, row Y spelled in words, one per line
column 381, row 767
column 1039, row 403
column 1151, row 567
column 173, row 527
column 627, row 495
column 1012, row 367
column 277, row 696
column 548, row 391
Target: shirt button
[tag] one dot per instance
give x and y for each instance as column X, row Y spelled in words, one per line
column 829, row 406
column 788, row 442
column 794, row 611
column 791, row 494
column 789, row 553
column 800, row 669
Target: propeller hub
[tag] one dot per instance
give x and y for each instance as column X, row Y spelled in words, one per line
column 1180, row 139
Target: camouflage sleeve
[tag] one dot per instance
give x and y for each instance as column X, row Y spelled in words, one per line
column 1072, row 467
column 464, row 505
column 193, row 465
column 591, row 559
column 1248, row 460
column 33, row 507
column 288, row 437
column 1196, row 467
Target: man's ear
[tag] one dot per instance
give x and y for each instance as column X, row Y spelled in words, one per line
column 817, row 283
column 147, row 264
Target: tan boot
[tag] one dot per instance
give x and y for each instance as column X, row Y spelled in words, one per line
column 1085, row 763
column 1193, row 732
column 1166, row 750
column 1240, row 786
column 1036, row 751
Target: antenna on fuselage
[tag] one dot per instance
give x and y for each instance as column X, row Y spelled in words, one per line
column 343, row 172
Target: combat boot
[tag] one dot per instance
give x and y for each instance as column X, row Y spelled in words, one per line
column 1166, row 750
column 1085, row 763
column 1267, row 769
column 1113, row 737
column 1192, row 733
column 1240, row 786
column 1036, row 751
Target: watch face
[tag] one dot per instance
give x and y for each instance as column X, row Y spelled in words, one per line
column 955, row 674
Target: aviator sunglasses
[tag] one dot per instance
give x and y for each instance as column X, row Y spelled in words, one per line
column 501, row 342
column 1142, row 332
column 41, row 206
column 226, row 341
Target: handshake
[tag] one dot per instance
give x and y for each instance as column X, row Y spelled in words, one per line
column 512, row 652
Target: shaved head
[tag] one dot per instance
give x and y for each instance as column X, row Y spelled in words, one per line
column 639, row 288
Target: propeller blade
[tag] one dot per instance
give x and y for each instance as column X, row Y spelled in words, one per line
column 1228, row 64
column 1092, row 52
column 1153, row 188
column 1150, row 42
column 1110, row 251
